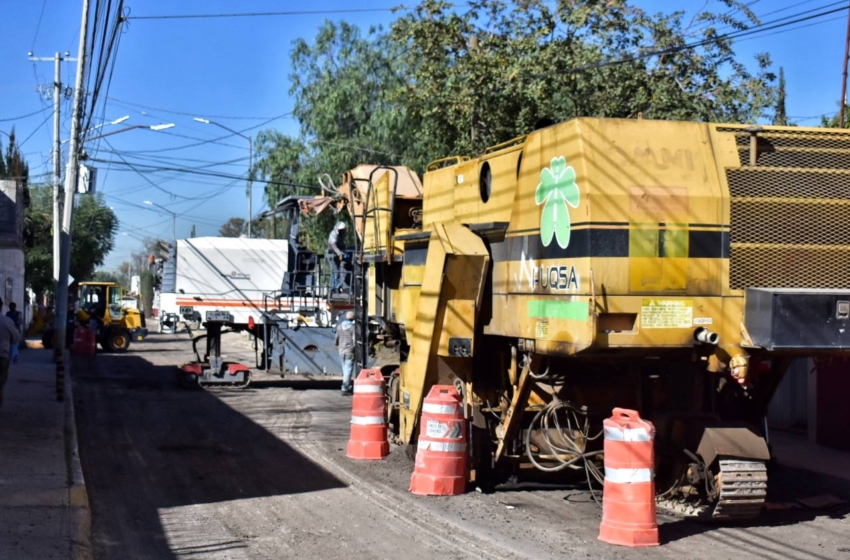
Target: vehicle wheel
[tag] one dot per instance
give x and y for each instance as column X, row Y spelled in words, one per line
column 118, row 340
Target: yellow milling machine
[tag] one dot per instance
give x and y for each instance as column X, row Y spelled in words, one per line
column 673, row 268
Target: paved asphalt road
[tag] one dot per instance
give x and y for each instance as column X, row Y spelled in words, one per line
column 261, row 473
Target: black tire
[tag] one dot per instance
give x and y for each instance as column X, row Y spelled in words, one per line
column 117, row 340
column 47, row 339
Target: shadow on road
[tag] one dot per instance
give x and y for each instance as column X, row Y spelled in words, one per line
column 298, row 384
column 148, row 446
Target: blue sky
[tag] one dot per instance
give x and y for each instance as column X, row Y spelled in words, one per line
column 234, row 71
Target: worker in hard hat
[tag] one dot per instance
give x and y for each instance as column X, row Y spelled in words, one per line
column 335, row 255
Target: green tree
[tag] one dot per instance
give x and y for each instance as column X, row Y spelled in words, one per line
column 13, row 165
column 93, row 236
column 834, row 121
column 146, row 285
column 445, row 80
column 106, row 276
column 487, row 74
column 38, row 240
column 124, row 273
column 234, row 227
column 780, row 117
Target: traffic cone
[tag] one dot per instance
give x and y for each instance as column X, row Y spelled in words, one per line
column 628, row 498
column 368, row 438
column 85, row 344
column 441, row 459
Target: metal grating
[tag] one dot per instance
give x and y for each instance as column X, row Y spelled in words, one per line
column 790, row 222
column 803, row 139
column 790, row 267
column 790, row 227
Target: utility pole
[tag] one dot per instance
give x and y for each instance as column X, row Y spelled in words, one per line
column 57, row 59
column 250, row 184
column 844, row 76
column 68, row 211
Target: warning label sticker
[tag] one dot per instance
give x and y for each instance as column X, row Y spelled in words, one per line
column 667, row 313
column 436, row 429
column 542, row 329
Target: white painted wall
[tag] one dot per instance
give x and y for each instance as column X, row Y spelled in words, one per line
column 12, row 277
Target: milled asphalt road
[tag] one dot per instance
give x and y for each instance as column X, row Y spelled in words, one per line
column 262, row 473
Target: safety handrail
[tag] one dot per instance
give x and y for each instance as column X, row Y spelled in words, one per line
column 506, row 144
column 451, row 160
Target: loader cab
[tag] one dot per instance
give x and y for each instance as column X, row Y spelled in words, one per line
column 102, row 300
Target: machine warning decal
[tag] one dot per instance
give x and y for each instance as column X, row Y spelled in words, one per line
column 542, row 330
column 436, row 429
column 667, row 313
column 556, row 190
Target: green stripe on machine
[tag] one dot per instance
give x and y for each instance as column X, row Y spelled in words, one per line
column 554, row 309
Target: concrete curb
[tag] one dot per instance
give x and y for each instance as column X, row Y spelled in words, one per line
column 78, row 497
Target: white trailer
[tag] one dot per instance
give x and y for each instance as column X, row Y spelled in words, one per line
column 213, row 277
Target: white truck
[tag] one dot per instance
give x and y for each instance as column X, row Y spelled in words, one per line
column 241, row 281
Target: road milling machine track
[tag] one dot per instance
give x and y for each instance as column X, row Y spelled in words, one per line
column 673, row 268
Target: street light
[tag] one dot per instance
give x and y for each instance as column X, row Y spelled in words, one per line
column 155, row 127
column 173, row 216
column 119, row 120
column 250, row 165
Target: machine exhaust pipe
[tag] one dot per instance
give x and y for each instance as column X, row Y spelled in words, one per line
column 705, row 336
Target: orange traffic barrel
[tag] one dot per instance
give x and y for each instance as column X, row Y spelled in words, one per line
column 368, row 417
column 628, row 499
column 441, row 457
column 85, row 344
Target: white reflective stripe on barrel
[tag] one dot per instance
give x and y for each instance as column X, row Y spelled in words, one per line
column 367, row 420
column 441, row 446
column 368, row 389
column 627, row 434
column 439, row 408
column 625, row 476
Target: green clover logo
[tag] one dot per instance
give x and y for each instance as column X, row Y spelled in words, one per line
column 557, row 188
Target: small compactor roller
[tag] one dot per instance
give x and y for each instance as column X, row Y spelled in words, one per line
column 210, row 369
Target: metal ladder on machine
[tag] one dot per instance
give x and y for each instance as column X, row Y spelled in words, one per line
column 361, row 266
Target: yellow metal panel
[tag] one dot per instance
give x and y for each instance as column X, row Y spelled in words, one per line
column 454, row 270
column 466, row 192
column 458, row 322
column 504, row 170
column 438, row 203
column 372, row 284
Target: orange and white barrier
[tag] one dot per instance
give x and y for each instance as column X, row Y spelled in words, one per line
column 368, row 417
column 628, row 503
column 441, row 455
column 85, row 342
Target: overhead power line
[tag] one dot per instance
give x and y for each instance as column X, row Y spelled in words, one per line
column 154, row 169
column 43, row 109
column 188, row 114
column 757, row 29
column 49, row 116
column 265, row 14
column 398, row 8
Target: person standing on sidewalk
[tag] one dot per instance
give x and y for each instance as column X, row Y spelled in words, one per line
column 9, row 334
column 15, row 316
column 345, row 344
